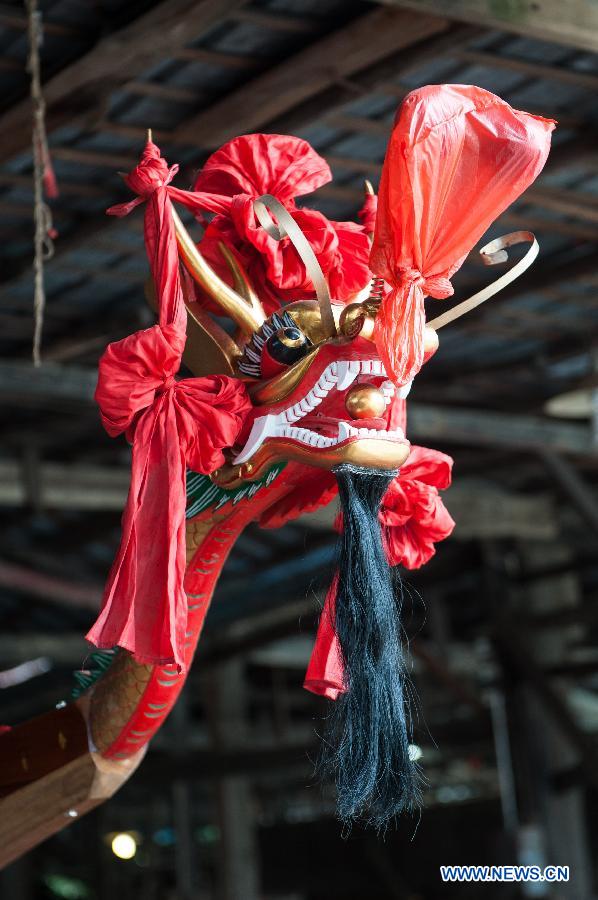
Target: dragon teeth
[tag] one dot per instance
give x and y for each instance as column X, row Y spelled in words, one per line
column 347, row 372
column 345, row 430
column 340, row 375
column 262, row 428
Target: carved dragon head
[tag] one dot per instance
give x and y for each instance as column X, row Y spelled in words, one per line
column 321, row 395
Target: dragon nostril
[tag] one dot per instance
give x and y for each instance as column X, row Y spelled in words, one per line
column 365, row 402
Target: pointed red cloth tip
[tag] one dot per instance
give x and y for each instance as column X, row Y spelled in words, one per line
column 457, row 158
column 49, row 182
column 286, row 167
column 172, row 425
column 325, row 672
column 414, row 519
column 367, row 213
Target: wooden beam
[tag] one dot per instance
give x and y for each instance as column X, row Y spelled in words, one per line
column 21, row 382
column 214, row 58
column 540, row 224
column 573, row 485
column 276, row 21
column 528, row 67
column 485, row 428
column 65, row 487
column 380, row 76
column 49, row 588
column 111, row 161
column 78, row 91
column 366, row 166
column 573, row 22
column 518, row 648
column 67, row 188
column 576, row 204
column 361, row 124
column 17, row 21
column 375, row 76
column 324, row 63
column 567, row 202
column 483, row 510
column 63, row 650
column 161, row 91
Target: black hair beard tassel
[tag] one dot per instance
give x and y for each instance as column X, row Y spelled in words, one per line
column 366, row 749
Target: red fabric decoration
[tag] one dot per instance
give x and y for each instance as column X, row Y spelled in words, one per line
column 414, row 519
column 172, row 424
column 367, row 213
column 457, row 158
column 412, row 512
column 324, row 674
column 287, row 168
column 49, row 182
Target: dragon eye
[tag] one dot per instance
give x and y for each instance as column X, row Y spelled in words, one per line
column 279, row 343
column 287, row 345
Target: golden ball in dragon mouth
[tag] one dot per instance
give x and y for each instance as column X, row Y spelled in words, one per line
column 365, row 402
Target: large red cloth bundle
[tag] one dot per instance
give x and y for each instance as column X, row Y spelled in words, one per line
column 457, row 158
column 287, row 168
column 172, row 425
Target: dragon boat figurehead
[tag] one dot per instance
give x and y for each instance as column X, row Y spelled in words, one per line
column 321, row 395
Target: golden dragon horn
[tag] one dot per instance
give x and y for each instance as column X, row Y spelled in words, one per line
column 241, row 280
column 248, row 317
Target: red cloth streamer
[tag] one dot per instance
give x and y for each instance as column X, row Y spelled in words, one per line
column 325, row 671
column 288, row 168
column 414, row 519
column 172, row 424
column 458, row 157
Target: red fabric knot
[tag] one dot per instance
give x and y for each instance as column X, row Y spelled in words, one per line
column 152, row 173
column 169, row 382
column 437, row 286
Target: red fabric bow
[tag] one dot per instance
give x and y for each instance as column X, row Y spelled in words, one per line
column 172, row 424
column 287, row 168
column 414, row 519
column 457, row 158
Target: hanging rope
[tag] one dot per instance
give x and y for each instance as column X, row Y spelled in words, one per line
column 42, row 176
